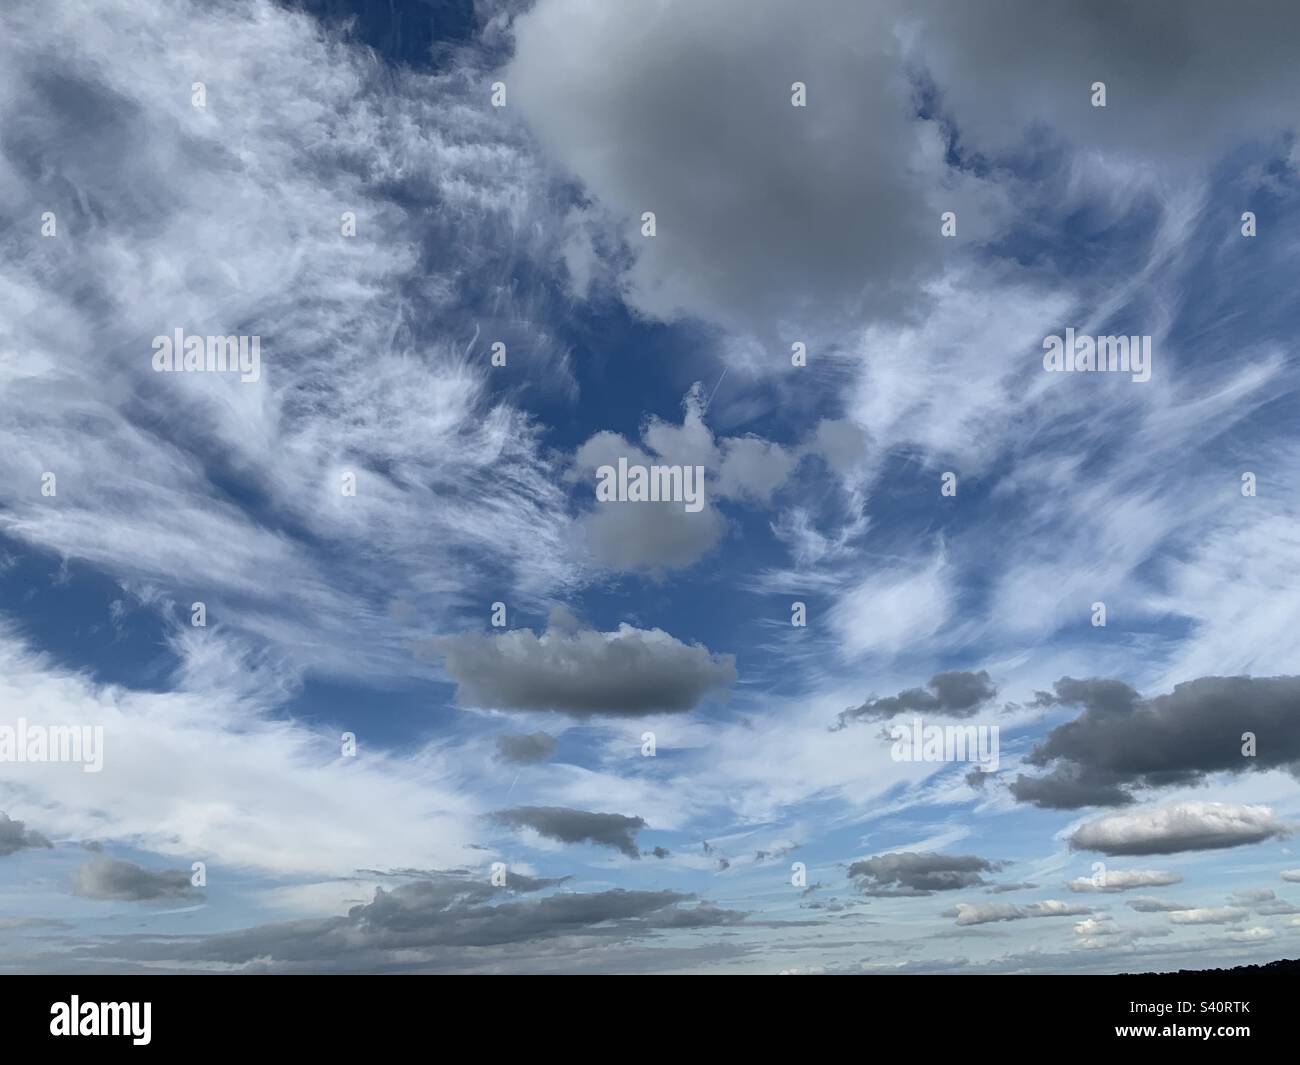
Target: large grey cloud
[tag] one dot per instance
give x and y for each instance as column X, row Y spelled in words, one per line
column 16, row 836
column 1184, row 826
column 766, row 213
column 769, row 214
column 577, row 826
column 1068, row 788
column 1185, row 78
column 1122, row 742
column 952, row 694
column 912, row 874
column 113, row 878
column 580, row 671
column 442, row 923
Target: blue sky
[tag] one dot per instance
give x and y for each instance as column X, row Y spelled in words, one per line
column 192, row 165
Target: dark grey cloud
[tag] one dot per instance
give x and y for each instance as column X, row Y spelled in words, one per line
column 655, row 537
column 906, row 873
column 648, row 117
column 527, row 884
column 577, row 826
column 642, row 113
column 582, row 672
column 651, row 537
column 526, row 749
column 15, row 836
column 450, row 911
column 952, row 694
column 113, row 878
column 1185, row 78
column 1184, row 826
column 447, row 922
column 1151, row 904
column 1069, row 787
column 1122, row 742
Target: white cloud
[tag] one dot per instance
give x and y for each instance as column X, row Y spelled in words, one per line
column 1124, row 879
column 199, row 776
column 226, row 220
column 1179, row 826
column 1209, row 915
column 896, row 609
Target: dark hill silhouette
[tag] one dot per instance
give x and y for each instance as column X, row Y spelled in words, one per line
column 1282, row 967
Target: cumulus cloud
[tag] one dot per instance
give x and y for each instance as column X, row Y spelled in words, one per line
column 526, row 749
column 1184, row 826
column 841, row 444
column 1252, row 935
column 577, row 826
column 911, row 874
column 968, row 913
column 753, row 468
column 1151, row 904
column 650, row 536
column 1068, row 788
column 1251, row 896
column 734, row 244
column 1209, row 915
column 15, row 836
column 1122, row 742
column 952, row 694
column 1194, row 77
column 1055, row 908
column 580, row 671
column 1263, row 901
column 1124, row 880
column 661, row 536
column 113, row 878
